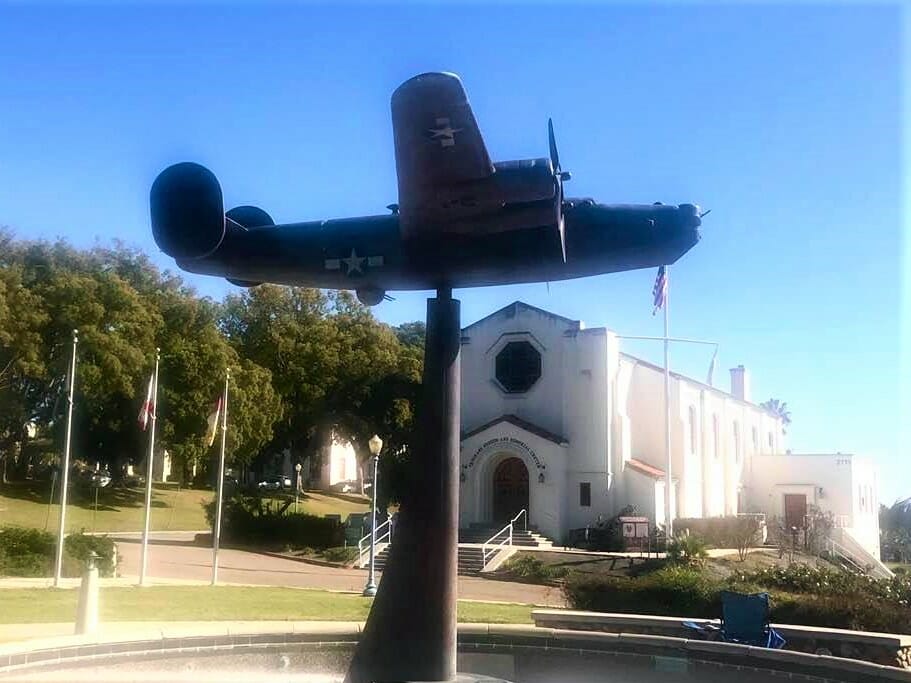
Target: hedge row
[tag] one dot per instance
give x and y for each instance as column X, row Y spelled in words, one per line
column 247, row 521
column 683, row 591
column 32, row 552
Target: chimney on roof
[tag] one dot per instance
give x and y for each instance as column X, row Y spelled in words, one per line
column 740, row 383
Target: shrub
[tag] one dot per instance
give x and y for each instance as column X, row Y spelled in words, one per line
column 686, row 548
column 19, row 541
column 800, row 578
column 32, row 552
column 80, row 546
column 246, row 520
column 740, row 532
column 854, row 612
column 682, row 591
column 342, row 554
column 530, row 567
column 686, row 591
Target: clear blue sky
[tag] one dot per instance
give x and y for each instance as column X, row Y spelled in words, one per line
column 785, row 122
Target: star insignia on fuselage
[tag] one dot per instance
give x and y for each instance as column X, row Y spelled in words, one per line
column 354, row 262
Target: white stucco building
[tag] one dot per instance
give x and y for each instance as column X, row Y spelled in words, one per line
column 558, row 420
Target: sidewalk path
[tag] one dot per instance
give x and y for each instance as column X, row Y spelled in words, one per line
column 174, row 561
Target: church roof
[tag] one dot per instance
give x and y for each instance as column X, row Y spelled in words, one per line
column 513, row 309
column 521, row 424
column 645, row 468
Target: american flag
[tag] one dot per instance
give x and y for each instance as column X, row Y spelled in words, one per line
column 148, row 406
column 659, row 291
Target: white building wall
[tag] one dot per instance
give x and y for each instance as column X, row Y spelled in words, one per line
column 483, row 399
column 865, row 522
column 710, row 466
column 587, row 409
column 603, row 408
column 339, row 464
column 481, row 453
column 842, row 484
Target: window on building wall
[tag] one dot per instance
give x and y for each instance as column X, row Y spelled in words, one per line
column 755, row 440
column 585, row 494
column 736, row 441
column 716, row 440
column 860, row 497
column 692, row 429
column 771, row 443
column 518, row 367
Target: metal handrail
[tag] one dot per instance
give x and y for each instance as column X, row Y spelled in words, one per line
column 521, row 513
column 361, row 550
column 496, row 547
column 844, row 553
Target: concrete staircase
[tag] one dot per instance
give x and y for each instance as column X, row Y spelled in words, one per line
column 471, row 555
column 522, row 538
column 471, row 560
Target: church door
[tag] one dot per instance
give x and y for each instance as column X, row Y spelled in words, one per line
column 510, row 489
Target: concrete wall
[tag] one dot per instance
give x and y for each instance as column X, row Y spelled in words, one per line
column 549, row 502
column 715, row 437
column 339, row 464
column 843, row 484
column 865, row 522
column 607, row 407
column 482, row 397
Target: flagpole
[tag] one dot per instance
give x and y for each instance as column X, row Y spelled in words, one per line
column 216, row 534
column 145, row 529
column 668, row 516
column 58, row 565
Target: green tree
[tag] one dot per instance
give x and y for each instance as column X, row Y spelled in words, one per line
column 22, row 317
column 123, row 307
column 335, row 367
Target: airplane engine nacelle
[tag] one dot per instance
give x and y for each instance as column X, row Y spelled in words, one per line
column 187, row 209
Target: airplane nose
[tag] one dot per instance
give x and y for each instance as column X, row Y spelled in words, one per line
column 691, row 214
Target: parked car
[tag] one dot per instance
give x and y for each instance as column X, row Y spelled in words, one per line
column 100, row 479
column 274, row 483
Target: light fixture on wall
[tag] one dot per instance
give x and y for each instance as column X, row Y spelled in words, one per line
column 821, row 492
column 462, row 476
column 541, row 478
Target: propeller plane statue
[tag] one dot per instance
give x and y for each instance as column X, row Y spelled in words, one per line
column 461, row 220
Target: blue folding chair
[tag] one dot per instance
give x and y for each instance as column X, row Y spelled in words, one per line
column 744, row 620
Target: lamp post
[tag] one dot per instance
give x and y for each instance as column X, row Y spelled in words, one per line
column 297, row 484
column 376, row 445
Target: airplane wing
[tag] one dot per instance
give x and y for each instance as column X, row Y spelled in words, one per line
column 438, row 145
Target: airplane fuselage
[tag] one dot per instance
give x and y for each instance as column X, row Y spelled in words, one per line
column 369, row 252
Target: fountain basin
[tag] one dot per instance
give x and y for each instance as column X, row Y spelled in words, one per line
column 318, row 652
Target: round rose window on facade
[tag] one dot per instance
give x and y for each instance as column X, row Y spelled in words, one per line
column 518, row 367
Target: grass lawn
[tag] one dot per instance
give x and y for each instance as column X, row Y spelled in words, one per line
column 325, row 503
column 121, row 509
column 205, row 603
column 899, row 565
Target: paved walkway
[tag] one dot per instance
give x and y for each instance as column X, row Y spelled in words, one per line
column 174, row 559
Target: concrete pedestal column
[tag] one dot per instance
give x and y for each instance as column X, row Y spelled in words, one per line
column 87, row 608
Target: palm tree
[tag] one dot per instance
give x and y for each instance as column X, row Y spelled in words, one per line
column 780, row 410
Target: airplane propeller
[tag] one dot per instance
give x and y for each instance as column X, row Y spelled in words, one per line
column 559, row 176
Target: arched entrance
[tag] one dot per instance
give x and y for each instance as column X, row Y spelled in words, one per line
column 510, row 489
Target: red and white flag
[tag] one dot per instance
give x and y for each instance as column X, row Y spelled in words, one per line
column 659, row 291
column 148, row 406
column 213, row 423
